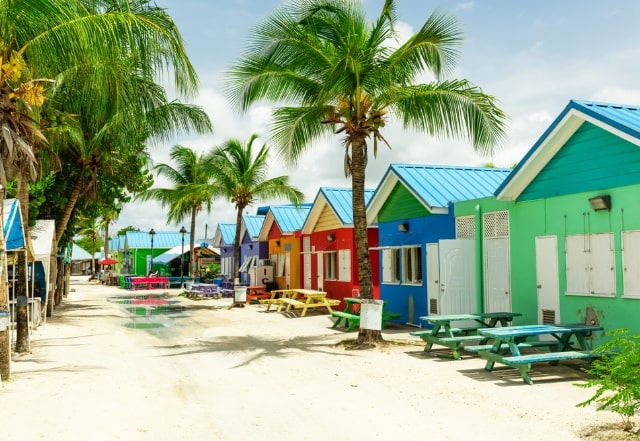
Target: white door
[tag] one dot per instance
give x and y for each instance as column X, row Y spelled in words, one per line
column 320, row 268
column 433, row 278
column 457, row 276
column 306, row 261
column 287, row 263
column 497, row 286
column 547, row 279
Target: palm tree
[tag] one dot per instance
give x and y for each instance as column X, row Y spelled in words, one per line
column 192, row 190
column 49, row 41
column 342, row 75
column 242, row 179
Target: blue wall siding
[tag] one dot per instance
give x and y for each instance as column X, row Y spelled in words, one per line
column 422, row 230
column 585, row 163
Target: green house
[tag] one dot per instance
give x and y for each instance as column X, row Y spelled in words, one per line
column 560, row 240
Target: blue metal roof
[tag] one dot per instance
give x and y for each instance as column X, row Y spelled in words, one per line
column 138, row 239
column 78, row 253
column 437, row 185
column 13, row 226
column 625, row 118
column 289, row 217
column 228, row 232
column 253, row 224
column 341, row 201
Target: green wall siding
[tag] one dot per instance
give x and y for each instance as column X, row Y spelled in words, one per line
column 561, row 216
column 592, row 159
column 401, row 204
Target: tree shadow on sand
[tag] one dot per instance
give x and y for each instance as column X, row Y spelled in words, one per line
column 257, row 347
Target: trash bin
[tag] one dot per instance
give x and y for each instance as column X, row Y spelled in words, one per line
column 240, row 294
column 4, row 320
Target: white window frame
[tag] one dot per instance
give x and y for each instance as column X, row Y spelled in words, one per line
column 412, row 265
column 330, row 264
column 391, row 265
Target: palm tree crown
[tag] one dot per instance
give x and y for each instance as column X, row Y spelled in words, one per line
column 193, row 189
column 342, row 74
column 242, row 178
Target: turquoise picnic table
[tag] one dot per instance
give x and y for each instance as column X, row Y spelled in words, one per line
column 444, row 334
column 569, row 342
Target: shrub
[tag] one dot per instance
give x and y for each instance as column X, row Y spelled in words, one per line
column 616, row 376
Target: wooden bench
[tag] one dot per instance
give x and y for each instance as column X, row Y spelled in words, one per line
column 351, row 321
column 503, row 347
column 454, row 343
column 312, row 301
column 149, row 282
column 523, row 362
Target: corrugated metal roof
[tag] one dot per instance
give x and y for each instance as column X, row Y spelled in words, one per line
column 253, row 224
column 78, row 253
column 625, row 118
column 138, row 239
column 228, row 232
column 437, row 185
column 290, row 218
column 341, row 201
column 13, row 226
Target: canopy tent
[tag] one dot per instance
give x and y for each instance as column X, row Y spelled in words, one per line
column 176, row 252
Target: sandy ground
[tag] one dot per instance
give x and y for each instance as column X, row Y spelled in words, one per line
column 205, row 372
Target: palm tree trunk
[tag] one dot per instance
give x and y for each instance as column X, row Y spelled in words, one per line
column 358, row 149
column 68, row 210
column 5, row 344
column 22, row 284
column 236, row 245
column 192, row 242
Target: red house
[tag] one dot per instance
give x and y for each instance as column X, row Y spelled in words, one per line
column 328, row 256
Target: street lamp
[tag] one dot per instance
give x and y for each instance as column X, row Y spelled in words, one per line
column 152, row 233
column 182, row 233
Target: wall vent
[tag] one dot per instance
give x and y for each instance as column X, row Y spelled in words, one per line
column 433, row 306
column 548, row 316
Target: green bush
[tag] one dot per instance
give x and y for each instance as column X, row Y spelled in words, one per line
column 616, row 376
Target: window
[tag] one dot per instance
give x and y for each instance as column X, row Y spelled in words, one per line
column 412, row 265
column 391, row 265
column 330, row 265
column 590, row 264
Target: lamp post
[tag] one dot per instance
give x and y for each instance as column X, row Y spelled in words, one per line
column 182, row 233
column 152, row 233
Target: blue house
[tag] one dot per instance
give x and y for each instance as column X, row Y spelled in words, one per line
column 420, row 242
column 223, row 239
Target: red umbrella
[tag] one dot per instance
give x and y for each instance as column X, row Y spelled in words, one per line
column 107, row 261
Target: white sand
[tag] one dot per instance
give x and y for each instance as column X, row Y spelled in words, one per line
column 213, row 373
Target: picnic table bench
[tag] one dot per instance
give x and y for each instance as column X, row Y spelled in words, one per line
column 203, row 290
column 149, row 282
column 507, row 343
column 276, row 297
column 443, row 334
column 257, row 293
column 351, row 314
column 311, row 299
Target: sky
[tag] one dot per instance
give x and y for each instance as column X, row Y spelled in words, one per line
column 534, row 57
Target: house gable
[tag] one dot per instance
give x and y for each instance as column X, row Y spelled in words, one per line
column 401, row 204
column 591, row 159
column 327, row 220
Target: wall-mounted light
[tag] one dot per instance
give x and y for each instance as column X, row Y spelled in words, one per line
column 250, row 246
column 602, row 202
column 403, row 227
column 277, row 243
column 331, row 237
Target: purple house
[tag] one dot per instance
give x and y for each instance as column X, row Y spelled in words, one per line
column 223, row 239
column 254, row 254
